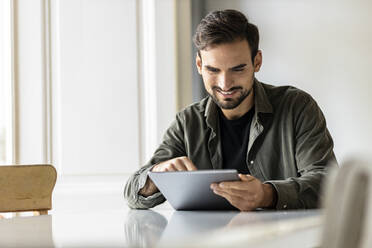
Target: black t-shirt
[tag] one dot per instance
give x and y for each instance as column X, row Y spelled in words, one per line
column 234, row 139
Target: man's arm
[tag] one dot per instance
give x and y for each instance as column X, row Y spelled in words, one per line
column 314, row 157
column 176, row 164
column 140, row 192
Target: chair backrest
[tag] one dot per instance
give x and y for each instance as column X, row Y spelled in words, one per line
column 27, row 188
column 348, row 207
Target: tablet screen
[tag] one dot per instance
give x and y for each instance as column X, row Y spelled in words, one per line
column 190, row 190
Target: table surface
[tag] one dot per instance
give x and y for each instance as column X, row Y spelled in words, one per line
column 105, row 221
column 163, row 228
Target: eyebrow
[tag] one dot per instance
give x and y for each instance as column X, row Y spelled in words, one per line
column 238, row 67
column 232, row 68
column 211, row 67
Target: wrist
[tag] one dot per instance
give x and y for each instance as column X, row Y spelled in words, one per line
column 148, row 189
column 270, row 196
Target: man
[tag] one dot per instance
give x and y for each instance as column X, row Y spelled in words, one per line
column 276, row 137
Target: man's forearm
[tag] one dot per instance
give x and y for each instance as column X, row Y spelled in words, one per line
column 132, row 188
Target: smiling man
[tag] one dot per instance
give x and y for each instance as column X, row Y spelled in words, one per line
column 276, row 137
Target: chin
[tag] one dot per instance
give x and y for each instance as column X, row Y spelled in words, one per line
column 231, row 104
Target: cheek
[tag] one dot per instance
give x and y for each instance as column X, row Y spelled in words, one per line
column 243, row 78
column 209, row 80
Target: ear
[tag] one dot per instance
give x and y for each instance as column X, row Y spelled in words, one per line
column 198, row 63
column 257, row 61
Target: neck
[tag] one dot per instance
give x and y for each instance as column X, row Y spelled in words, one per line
column 244, row 107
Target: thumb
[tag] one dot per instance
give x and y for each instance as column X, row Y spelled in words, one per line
column 246, row 177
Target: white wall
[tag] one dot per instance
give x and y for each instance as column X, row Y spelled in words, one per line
column 82, row 87
column 95, row 86
column 325, row 48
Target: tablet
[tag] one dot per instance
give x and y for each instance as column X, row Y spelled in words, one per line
column 190, row 190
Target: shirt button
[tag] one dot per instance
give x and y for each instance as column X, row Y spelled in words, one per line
column 251, row 161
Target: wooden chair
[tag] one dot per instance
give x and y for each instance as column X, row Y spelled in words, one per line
column 27, row 188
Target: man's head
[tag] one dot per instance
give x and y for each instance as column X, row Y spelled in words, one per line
column 227, row 58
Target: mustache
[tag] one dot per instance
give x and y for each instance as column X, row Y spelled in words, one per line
column 231, row 89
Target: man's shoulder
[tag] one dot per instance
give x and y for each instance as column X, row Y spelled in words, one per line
column 286, row 93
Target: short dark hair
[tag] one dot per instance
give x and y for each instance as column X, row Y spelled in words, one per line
column 224, row 26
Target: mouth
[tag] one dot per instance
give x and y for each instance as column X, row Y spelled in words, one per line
column 227, row 94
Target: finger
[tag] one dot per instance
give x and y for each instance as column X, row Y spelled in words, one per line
column 157, row 167
column 234, row 185
column 223, row 194
column 247, row 195
column 170, row 167
column 189, row 164
column 234, row 200
column 238, row 202
column 246, row 177
column 183, row 161
column 238, row 184
column 213, row 186
column 179, row 166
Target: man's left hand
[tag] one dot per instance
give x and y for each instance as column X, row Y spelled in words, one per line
column 247, row 194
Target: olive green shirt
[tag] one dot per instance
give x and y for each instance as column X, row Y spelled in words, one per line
column 289, row 146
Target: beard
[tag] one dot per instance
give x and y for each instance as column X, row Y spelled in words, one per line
column 230, row 103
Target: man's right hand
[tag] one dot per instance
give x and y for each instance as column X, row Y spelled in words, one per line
column 175, row 164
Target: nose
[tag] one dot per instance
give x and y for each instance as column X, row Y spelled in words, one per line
column 225, row 81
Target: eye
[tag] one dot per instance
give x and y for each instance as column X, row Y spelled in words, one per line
column 211, row 69
column 238, row 69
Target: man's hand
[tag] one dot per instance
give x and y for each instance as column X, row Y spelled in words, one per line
column 176, row 164
column 247, row 194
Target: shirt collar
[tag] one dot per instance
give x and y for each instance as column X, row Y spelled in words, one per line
column 211, row 113
column 261, row 100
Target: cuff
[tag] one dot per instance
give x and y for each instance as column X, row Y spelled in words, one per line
column 287, row 196
column 144, row 200
column 142, row 179
column 151, row 200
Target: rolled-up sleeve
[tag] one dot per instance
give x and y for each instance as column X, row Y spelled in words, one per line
column 172, row 146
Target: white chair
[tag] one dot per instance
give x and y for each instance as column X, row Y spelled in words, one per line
column 348, row 207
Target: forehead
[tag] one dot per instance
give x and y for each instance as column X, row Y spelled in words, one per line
column 227, row 54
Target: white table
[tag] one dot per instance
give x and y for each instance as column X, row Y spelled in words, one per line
column 147, row 228
column 103, row 220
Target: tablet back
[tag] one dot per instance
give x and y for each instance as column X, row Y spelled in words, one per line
column 190, row 190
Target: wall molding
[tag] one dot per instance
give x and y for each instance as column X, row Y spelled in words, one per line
column 14, row 125
column 46, row 67
column 157, row 52
column 146, row 78
column 54, row 90
column 185, row 59
column 29, row 81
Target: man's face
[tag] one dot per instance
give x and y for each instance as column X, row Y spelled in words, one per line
column 228, row 72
